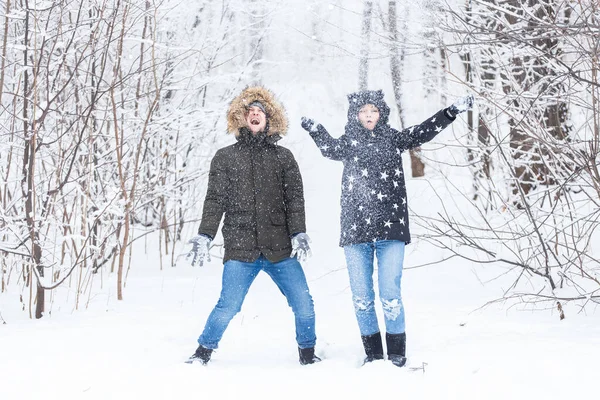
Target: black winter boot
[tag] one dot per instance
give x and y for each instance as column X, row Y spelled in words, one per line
column 396, row 348
column 201, row 355
column 373, row 347
column 307, row 356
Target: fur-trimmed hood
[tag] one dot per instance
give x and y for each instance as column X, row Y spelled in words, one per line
column 277, row 122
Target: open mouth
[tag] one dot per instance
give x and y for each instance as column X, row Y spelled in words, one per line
column 255, row 121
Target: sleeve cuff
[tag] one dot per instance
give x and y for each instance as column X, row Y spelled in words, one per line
column 449, row 114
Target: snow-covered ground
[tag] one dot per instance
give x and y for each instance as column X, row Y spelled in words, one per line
column 135, row 349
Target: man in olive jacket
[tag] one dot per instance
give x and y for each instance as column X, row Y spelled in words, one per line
column 257, row 185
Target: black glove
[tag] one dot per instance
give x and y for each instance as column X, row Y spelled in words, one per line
column 308, row 124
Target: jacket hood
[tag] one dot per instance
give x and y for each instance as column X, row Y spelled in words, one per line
column 358, row 99
column 277, row 122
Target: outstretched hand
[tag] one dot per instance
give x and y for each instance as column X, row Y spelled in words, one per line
column 308, row 124
column 461, row 105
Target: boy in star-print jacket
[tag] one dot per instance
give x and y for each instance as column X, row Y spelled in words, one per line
column 374, row 210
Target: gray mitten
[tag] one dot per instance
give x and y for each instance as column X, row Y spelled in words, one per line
column 461, row 105
column 200, row 249
column 301, row 247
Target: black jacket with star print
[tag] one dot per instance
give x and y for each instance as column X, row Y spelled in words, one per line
column 373, row 199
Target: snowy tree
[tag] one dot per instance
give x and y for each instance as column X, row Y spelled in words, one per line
column 534, row 66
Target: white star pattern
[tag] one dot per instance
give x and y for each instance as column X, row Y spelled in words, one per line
column 324, row 147
column 373, row 207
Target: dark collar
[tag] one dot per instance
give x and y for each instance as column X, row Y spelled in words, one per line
column 247, row 137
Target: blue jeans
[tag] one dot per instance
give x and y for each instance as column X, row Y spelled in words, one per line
column 390, row 257
column 237, row 278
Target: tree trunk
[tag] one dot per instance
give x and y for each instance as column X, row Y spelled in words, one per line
column 363, row 67
column 29, row 177
column 396, row 65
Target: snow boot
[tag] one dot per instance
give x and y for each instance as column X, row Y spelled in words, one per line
column 307, row 356
column 202, row 355
column 373, row 347
column 396, row 348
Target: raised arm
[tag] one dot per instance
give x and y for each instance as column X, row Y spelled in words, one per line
column 417, row 135
column 334, row 149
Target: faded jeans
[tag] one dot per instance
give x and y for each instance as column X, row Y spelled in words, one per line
column 237, row 278
column 390, row 257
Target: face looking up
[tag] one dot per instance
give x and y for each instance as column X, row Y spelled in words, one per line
column 368, row 115
column 256, row 119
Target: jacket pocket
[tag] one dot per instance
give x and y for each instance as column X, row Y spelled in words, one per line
column 239, row 220
column 277, row 218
